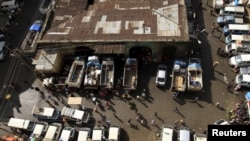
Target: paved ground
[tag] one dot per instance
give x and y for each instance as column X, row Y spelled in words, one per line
column 196, row 115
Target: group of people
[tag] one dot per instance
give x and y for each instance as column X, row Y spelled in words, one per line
column 239, row 115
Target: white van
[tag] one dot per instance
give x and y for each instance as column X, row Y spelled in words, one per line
column 53, row 132
column 200, row 137
column 235, row 49
column 3, row 50
column 240, row 60
column 39, row 130
column 184, row 134
column 9, row 5
column 167, row 133
column 114, row 133
column 233, row 10
column 98, row 133
column 68, row 133
column 240, row 39
column 84, row 134
column 75, row 115
column 236, row 29
column 21, row 124
column 243, row 80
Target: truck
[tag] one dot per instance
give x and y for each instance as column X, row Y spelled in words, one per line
column 29, row 43
column 130, row 74
column 178, row 82
column 194, row 75
column 92, row 73
column 107, row 73
column 76, row 73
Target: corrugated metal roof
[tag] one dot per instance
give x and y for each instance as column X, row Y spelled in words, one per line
column 118, row 20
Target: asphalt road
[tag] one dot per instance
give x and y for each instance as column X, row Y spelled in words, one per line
column 196, row 115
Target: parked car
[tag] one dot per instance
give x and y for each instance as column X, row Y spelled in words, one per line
column 39, row 130
column 243, row 80
column 45, row 113
column 240, row 60
column 84, row 134
column 221, row 122
column 200, row 137
column 161, row 75
column 98, row 133
column 167, row 133
column 3, row 50
column 228, row 19
column 68, row 134
column 53, row 132
column 114, row 133
column 244, row 70
column 75, row 114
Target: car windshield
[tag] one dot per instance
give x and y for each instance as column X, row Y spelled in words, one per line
column 160, row 79
column 238, row 59
column 240, row 78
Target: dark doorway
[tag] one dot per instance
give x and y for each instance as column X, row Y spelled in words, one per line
column 143, row 54
column 168, row 54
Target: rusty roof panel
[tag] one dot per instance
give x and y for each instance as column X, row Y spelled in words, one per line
column 118, row 20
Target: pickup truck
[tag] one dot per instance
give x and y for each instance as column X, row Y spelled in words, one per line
column 107, row 73
column 130, row 74
column 75, row 114
column 45, row 113
column 76, row 73
column 92, row 73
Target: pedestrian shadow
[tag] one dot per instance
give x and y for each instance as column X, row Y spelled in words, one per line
column 134, row 126
column 221, row 108
column 160, row 119
column 119, row 119
column 201, row 106
column 220, row 73
column 180, row 101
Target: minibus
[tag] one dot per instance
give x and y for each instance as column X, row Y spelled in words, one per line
column 233, row 10
column 240, row 39
column 167, row 133
column 236, row 29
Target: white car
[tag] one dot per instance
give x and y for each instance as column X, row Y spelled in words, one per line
column 68, row 133
column 243, row 80
column 3, row 50
column 221, row 122
column 161, row 76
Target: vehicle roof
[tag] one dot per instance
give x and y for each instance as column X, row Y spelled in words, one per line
column 19, row 123
column 83, row 135
column 9, row 2
column 200, row 137
column 113, row 133
column 65, row 135
column 2, row 43
column 97, row 134
column 245, row 77
column 167, row 133
column 50, row 132
column 38, row 129
column 245, row 57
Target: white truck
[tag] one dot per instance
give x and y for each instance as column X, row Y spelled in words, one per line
column 28, row 44
column 107, row 73
column 76, row 73
column 130, row 74
column 23, row 124
column 75, row 114
column 178, row 82
column 92, row 73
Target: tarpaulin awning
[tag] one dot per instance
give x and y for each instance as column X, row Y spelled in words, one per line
column 75, row 100
column 110, row 49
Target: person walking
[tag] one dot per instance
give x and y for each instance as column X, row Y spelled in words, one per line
column 155, row 114
column 129, row 122
column 152, row 122
column 217, row 104
column 215, row 64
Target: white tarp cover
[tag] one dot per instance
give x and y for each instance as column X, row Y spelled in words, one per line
column 113, row 133
column 50, row 133
column 38, row 129
column 167, row 134
column 82, row 136
column 65, row 135
column 97, row 135
column 18, row 123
